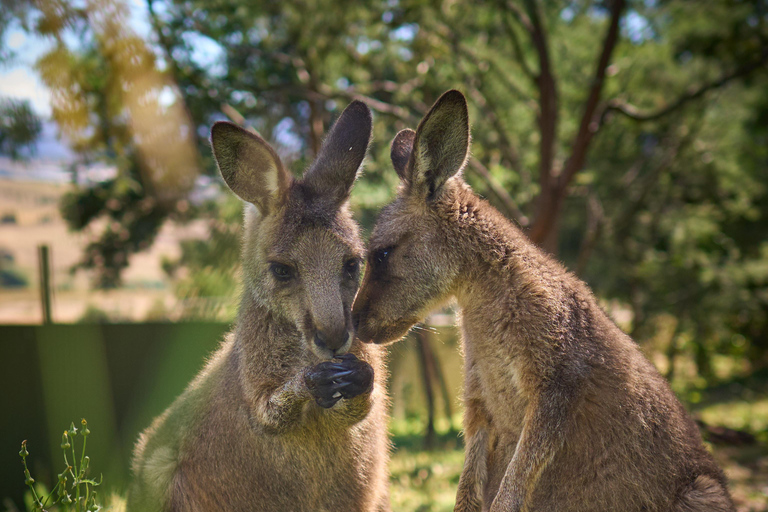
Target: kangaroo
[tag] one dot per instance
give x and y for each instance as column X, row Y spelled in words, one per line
column 290, row 413
column 562, row 411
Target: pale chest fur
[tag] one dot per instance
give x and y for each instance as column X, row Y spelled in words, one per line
column 494, row 364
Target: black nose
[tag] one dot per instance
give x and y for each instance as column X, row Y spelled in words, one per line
column 332, row 343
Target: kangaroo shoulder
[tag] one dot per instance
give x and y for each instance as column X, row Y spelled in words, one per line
column 159, row 448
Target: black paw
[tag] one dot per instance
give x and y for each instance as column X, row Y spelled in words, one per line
column 344, row 377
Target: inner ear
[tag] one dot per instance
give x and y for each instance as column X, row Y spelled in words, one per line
column 400, row 152
column 441, row 144
column 335, row 169
column 249, row 165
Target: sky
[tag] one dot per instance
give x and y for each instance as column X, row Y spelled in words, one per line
column 19, row 80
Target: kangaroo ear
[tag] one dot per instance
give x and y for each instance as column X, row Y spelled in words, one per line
column 249, row 166
column 441, row 145
column 400, row 153
column 335, row 169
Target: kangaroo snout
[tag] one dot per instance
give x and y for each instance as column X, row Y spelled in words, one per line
column 336, row 342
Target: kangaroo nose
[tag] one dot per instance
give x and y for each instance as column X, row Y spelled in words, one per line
column 332, row 343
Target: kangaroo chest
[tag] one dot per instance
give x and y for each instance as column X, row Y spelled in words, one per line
column 495, row 367
column 494, row 371
column 274, row 472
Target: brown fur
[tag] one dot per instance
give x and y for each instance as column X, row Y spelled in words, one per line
column 562, row 411
column 248, row 434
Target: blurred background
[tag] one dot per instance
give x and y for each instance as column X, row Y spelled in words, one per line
column 629, row 138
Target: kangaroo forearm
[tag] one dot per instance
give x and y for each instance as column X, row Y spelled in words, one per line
column 348, row 412
column 474, row 475
column 541, row 438
column 282, row 410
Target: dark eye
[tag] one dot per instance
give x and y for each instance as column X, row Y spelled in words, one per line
column 352, row 266
column 281, row 272
column 381, row 256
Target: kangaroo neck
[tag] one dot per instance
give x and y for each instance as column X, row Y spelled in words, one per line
column 502, row 272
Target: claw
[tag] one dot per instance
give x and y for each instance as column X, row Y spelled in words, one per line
column 341, row 385
column 335, row 366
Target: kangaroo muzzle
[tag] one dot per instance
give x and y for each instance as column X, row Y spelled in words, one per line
column 335, row 341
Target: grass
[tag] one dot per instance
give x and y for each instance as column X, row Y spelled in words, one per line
column 426, row 480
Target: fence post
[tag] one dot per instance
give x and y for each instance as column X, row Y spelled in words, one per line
column 44, row 262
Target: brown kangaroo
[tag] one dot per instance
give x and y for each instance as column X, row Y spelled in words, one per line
column 290, row 413
column 562, row 411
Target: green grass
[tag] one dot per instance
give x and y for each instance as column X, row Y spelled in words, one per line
column 425, row 481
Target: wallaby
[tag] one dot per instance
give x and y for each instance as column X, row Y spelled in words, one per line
column 562, row 411
column 290, row 413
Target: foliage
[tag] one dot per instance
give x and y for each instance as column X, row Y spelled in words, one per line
column 94, row 315
column 208, row 271
column 559, row 104
column 113, row 103
column 80, row 495
column 627, row 137
column 19, row 127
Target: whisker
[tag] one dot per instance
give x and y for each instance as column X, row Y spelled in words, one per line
column 421, row 327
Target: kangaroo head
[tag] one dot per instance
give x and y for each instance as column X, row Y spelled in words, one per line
column 301, row 249
column 412, row 260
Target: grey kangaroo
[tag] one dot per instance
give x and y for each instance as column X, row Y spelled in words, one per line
column 290, row 413
column 562, row 411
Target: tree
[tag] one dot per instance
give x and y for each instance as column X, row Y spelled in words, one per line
column 20, row 127
column 115, row 105
column 623, row 135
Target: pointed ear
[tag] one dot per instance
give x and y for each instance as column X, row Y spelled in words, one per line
column 249, row 166
column 441, row 145
column 335, row 169
column 400, row 152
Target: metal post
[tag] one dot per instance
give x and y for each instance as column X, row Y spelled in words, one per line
column 44, row 261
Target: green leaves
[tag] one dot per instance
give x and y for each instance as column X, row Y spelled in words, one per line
column 84, row 499
column 19, row 127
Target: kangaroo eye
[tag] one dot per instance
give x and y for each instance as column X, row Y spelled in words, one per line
column 352, row 266
column 281, row 272
column 380, row 256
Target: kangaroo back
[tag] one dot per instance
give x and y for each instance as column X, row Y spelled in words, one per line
column 290, row 413
column 562, row 411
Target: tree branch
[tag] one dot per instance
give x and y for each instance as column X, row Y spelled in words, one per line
column 521, row 17
column 595, row 218
column 547, row 119
column 693, row 93
column 549, row 207
column 509, row 204
column 548, row 99
column 518, row 49
column 487, row 107
column 377, row 105
column 489, row 112
column 588, row 125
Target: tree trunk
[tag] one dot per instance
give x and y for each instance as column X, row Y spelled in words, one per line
column 426, row 359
